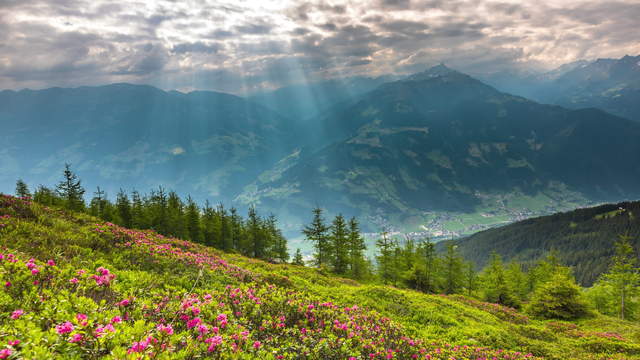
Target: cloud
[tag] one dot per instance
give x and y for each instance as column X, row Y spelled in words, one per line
column 243, row 46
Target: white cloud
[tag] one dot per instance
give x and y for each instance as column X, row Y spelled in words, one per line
column 236, row 46
column 178, row 150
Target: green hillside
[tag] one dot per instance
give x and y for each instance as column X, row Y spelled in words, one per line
column 583, row 238
column 77, row 288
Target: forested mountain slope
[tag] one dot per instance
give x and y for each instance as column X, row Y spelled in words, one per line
column 583, row 238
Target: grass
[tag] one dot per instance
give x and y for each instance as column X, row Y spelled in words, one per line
column 259, row 310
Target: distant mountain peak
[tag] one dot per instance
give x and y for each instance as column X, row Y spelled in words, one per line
column 440, row 70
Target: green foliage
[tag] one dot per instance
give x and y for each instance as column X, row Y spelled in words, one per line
column 617, row 290
column 496, row 287
column 558, row 298
column 169, row 281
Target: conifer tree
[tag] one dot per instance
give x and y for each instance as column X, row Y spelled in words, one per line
column 623, row 278
column 98, row 203
column 452, row 266
column 278, row 246
column 428, row 252
column 357, row 247
column 257, row 243
column 123, row 206
column 297, row 258
column 496, row 287
column 385, row 258
column 558, row 298
column 22, row 190
column 339, row 237
column 316, row 233
column 192, row 215
column 70, row 189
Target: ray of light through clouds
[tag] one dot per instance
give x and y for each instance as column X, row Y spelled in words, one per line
column 240, row 46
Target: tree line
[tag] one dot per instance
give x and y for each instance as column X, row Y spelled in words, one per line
column 545, row 288
column 166, row 213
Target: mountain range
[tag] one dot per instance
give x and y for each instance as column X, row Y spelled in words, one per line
column 612, row 85
column 438, row 152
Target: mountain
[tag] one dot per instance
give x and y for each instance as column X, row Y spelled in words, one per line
column 612, row 85
column 206, row 143
column 583, row 238
column 609, row 84
column 97, row 290
column 303, row 102
column 441, row 142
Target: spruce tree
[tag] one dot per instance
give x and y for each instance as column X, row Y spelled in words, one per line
column 254, row 228
column 70, row 189
column 123, row 206
column 357, row 247
column 192, row 215
column 22, row 190
column 316, row 233
column 339, row 244
column 298, row 259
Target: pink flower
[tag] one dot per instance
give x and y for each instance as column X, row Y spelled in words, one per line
column 256, row 345
column 74, row 281
column 75, row 338
column 64, row 328
column 14, row 343
column 7, row 284
column 35, row 271
column 222, row 319
column 124, row 302
column 193, row 323
column 165, row 329
column 116, row 320
column 82, row 319
column 17, row 314
column 213, row 343
column 5, row 353
column 51, row 263
column 310, row 307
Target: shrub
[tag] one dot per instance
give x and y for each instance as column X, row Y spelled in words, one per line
column 558, row 298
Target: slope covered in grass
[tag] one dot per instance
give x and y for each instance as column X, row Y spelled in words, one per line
column 75, row 288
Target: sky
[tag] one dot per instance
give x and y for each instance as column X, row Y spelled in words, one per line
column 243, row 46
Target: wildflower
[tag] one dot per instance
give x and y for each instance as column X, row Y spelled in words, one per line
column 165, row 329
column 51, row 263
column 124, row 302
column 82, row 319
column 193, row 323
column 213, row 343
column 64, row 328
column 7, row 284
column 116, row 320
column 5, row 353
column 75, row 338
column 74, row 281
column 35, row 271
column 222, row 319
column 17, row 314
column 14, row 343
column 256, row 345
